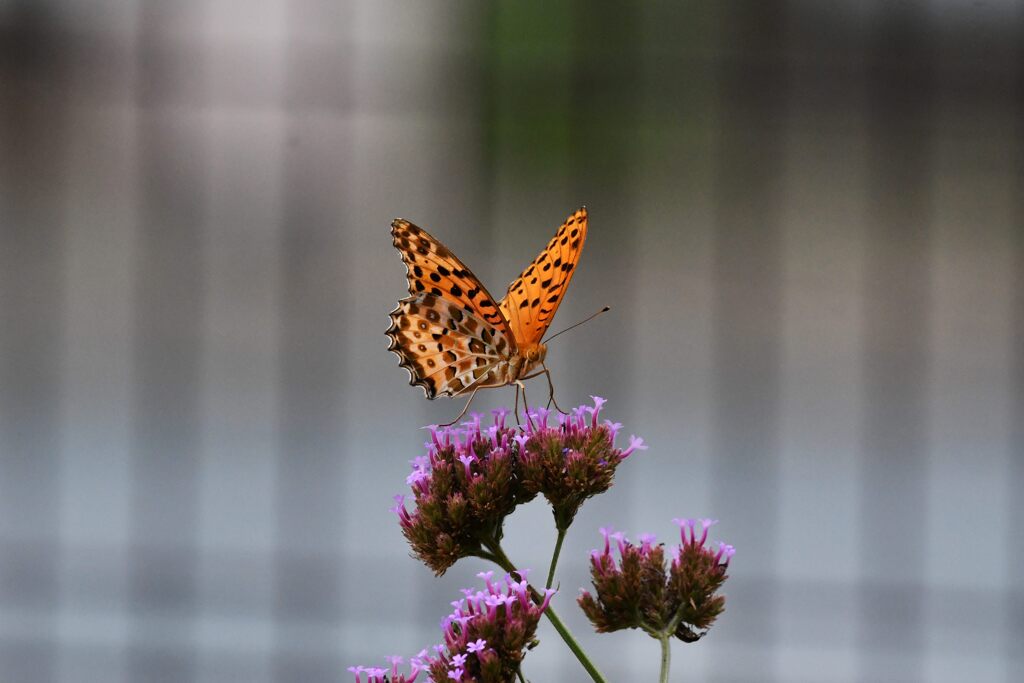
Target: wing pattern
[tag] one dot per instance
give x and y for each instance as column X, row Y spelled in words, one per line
column 446, row 350
column 432, row 268
column 532, row 299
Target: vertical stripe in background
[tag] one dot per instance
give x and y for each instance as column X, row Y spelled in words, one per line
column 33, row 152
column 247, row 131
column 747, row 320
column 970, row 347
column 168, row 313
column 100, row 281
column 823, row 208
column 1010, row 590
column 314, row 344
column 898, row 305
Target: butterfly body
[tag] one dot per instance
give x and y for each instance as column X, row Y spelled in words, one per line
column 451, row 335
column 526, row 362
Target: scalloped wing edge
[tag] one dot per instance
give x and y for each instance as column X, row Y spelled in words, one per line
column 404, row 361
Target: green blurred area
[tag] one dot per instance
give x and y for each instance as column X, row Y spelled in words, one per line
column 575, row 85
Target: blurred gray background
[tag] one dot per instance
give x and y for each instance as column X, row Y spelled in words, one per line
column 808, row 220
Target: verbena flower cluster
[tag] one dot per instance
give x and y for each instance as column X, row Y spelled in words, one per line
column 472, row 477
column 464, row 487
column 485, row 637
column 489, row 631
column 637, row 591
column 573, row 460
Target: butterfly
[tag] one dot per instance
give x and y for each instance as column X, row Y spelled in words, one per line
column 454, row 338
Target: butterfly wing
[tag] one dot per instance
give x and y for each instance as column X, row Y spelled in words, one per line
column 533, row 298
column 447, row 350
column 431, row 268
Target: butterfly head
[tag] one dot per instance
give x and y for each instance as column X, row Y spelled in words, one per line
column 532, row 357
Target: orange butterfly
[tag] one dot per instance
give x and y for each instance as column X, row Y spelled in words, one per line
column 453, row 337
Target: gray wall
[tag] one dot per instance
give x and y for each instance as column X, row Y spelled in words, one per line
column 808, row 222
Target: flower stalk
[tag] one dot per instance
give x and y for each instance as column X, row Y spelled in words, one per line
column 554, row 558
column 666, row 656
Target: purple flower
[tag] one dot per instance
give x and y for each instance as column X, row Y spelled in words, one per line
column 637, row 590
column 635, row 444
column 466, row 461
column 399, row 499
column 463, row 488
column 380, row 675
column 595, row 411
column 486, row 636
column 489, row 631
column 613, row 427
column 473, row 476
column 572, row 461
column 499, row 416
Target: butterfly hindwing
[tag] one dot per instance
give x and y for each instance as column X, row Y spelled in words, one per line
column 446, row 349
column 533, row 298
column 433, row 269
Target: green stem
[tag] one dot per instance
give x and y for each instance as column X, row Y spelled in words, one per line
column 502, row 560
column 573, row 645
column 554, row 558
column 666, row 657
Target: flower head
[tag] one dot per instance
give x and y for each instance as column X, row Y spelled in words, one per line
column 639, row 591
column 487, row 634
column 464, row 487
column 573, row 460
column 473, row 476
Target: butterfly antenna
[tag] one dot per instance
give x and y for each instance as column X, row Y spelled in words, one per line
column 585, row 320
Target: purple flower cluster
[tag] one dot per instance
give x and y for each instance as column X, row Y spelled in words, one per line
column 573, row 460
column 638, row 591
column 472, row 477
column 488, row 632
column 464, row 487
column 485, row 637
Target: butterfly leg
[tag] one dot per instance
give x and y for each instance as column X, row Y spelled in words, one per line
column 471, row 397
column 516, row 410
column 526, row 406
column 551, row 390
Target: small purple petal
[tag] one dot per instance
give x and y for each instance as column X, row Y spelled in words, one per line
column 635, row 444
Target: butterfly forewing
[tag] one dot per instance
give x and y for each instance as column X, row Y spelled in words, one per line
column 433, row 269
column 447, row 350
column 533, row 298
